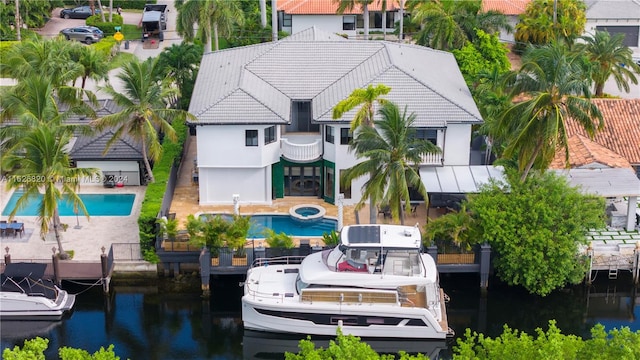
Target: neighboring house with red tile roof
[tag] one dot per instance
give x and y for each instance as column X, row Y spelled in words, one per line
column 297, row 15
column 587, row 154
column 511, row 9
column 620, row 137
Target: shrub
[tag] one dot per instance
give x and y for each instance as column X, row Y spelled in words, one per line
column 278, row 240
column 107, row 27
column 152, row 203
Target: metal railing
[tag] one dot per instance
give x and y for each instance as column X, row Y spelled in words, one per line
column 282, row 260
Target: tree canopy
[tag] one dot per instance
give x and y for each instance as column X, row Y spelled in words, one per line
column 33, row 349
column 618, row 344
column 537, row 25
column 535, row 228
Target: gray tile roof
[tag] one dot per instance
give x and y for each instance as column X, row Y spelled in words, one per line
column 613, row 9
column 256, row 84
column 91, row 148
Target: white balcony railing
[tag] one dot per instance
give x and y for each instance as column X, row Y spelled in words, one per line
column 432, row 159
column 301, row 152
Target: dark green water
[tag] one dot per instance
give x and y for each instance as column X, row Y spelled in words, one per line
column 170, row 320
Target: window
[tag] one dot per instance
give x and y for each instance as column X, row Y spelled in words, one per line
column 345, row 136
column 328, row 182
column 630, row 33
column 251, row 138
column 391, row 23
column 359, row 21
column 428, row 134
column 301, row 117
column 286, row 20
column 348, row 22
column 328, row 135
column 345, row 189
column 270, row 134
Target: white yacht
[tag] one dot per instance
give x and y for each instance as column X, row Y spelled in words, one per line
column 375, row 283
column 26, row 295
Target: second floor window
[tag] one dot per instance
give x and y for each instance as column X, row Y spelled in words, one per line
column 345, row 136
column 328, row 135
column 430, row 135
column 269, row 134
column 251, row 137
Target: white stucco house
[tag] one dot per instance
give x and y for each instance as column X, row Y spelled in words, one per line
column 297, row 15
column 616, row 17
column 264, row 126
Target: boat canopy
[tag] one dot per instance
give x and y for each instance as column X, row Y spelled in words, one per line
column 381, row 236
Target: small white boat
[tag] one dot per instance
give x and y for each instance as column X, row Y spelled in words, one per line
column 375, row 283
column 26, row 295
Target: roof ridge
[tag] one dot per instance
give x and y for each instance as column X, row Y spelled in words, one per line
column 262, row 103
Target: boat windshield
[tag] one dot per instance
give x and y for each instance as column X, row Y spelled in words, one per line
column 300, row 284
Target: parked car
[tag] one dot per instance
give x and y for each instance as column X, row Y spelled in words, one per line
column 81, row 12
column 87, row 34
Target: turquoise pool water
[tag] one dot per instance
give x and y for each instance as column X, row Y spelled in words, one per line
column 96, row 204
column 288, row 225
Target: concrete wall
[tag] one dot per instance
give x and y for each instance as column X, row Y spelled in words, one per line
column 217, row 185
column 330, row 23
column 224, row 146
column 128, row 171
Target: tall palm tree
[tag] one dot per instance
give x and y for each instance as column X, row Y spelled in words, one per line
column 211, row 16
column 449, row 24
column 555, row 85
column 349, row 5
column 40, row 164
column 610, row 58
column 391, row 154
column 144, row 110
column 365, row 97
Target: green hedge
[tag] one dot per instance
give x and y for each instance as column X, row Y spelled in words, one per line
column 125, row 4
column 108, row 28
column 171, row 154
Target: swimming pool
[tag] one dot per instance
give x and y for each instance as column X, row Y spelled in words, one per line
column 96, row 204
column 286, row 224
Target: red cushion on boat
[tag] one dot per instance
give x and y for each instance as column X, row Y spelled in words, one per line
column 351, row 265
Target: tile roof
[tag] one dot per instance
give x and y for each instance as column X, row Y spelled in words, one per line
column 92, row 147
column 613, row 9
column 328, row 7
column 507, row 7
column 584, row 153
column 256, row 84
column 621, row 132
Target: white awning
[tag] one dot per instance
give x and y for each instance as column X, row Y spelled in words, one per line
column 459, row 179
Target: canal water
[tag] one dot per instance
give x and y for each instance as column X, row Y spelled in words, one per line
column 169, row 320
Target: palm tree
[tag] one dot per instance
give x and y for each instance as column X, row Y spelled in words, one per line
column 39, row 164
column 211, row 16
column 365, row 97
column 364, row 117
column 179, row 64
column 349, row 5
column 610, row 58
column 34, row 101
column 46, row 57
column 391, row 154
column 555, row 85
column 144, row 110
column 449, row 24
column 94, row 65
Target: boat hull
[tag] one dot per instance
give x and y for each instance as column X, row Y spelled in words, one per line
column 324, row 319
column 19, row 306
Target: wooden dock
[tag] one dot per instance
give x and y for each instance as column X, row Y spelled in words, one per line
column 612, row 251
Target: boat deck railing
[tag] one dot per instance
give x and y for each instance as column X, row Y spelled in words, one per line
column 281, row 260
